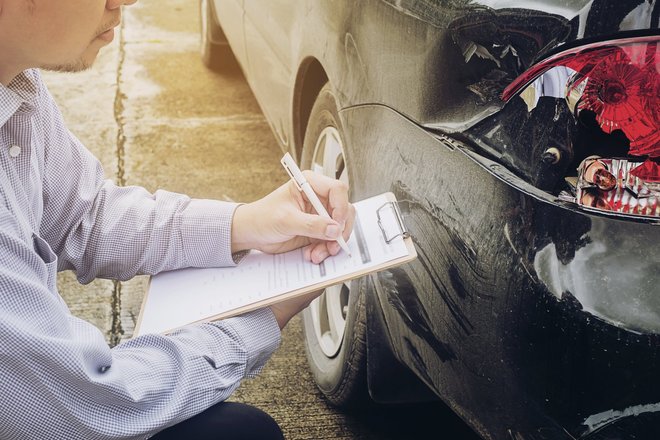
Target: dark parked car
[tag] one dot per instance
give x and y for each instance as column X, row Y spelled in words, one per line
column 522, row 140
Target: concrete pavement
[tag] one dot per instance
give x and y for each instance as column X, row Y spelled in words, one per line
column 157, row 118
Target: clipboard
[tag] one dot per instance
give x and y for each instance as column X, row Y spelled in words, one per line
column 182, row 297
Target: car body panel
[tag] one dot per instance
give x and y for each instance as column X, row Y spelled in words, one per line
column 268, row 37
column 232, row 25
column 384, row 62
column 478, row 316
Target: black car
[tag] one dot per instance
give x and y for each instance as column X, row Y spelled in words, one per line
column 522, row 140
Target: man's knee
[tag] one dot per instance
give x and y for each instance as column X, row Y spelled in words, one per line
column 255, row 423
column 226, row 420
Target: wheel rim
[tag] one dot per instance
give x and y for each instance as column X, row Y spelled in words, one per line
column 329, row 310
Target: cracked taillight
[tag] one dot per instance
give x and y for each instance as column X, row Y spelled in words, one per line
column 618, row 82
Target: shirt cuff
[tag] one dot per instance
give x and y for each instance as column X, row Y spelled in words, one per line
column 206, row 233
column 260, row 335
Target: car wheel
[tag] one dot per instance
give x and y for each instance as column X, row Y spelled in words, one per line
column 215, row 51
column 335, row 323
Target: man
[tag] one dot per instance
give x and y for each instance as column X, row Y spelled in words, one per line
column 58, row 377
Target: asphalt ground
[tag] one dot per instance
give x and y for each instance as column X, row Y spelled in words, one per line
column 155, row 117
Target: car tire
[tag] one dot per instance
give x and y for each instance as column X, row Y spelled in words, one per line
column 214, row 47
column 336, row 353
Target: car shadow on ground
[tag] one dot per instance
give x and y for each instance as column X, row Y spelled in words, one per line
column 418, row 421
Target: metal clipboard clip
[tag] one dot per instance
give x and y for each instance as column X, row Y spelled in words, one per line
column 401, row 231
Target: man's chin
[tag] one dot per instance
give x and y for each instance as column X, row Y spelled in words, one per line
column 84, row 62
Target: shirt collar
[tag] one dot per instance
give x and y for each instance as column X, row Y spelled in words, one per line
column 19, row 94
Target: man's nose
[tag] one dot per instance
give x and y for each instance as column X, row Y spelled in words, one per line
column 114, row 4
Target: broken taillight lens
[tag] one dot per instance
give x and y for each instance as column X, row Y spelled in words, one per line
column 618, row 84
column 619, row 81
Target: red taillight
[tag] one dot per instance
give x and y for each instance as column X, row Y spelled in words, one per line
column 649, row 171
column 617, row 80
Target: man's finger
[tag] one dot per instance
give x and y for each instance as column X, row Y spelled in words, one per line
column 333, row 191
column 321, row 184
column 319, row 251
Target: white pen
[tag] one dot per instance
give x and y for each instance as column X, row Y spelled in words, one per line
column 304, row 186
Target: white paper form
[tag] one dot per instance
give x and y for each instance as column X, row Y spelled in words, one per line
column 180, row 297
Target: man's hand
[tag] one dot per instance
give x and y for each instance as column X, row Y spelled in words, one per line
column 285, row 220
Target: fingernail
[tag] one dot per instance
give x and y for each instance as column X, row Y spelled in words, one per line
column 332, row 231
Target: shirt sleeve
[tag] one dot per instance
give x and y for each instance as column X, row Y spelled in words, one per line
column 99, row 229
column 58, row 374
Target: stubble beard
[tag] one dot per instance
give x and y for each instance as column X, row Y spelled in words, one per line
column 78, row 65
column 83, row 62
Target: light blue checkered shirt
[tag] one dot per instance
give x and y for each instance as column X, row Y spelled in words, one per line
column 58, row 377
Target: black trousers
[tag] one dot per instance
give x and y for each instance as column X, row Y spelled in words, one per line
column 226, row 420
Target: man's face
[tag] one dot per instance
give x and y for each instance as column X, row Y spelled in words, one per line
column 54, row 34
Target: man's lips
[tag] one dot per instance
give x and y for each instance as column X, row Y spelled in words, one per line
column 108, row 34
